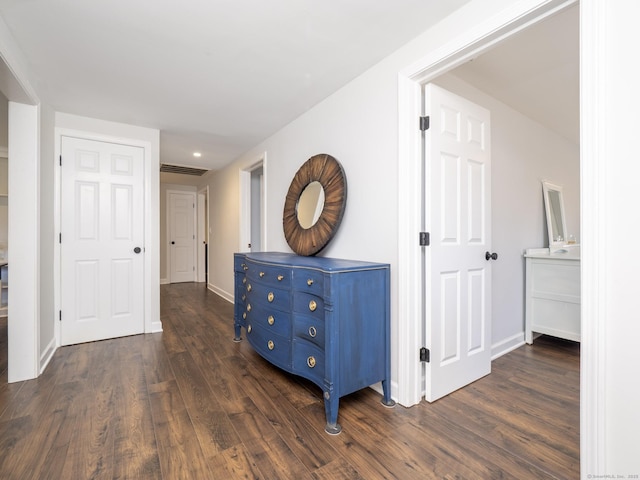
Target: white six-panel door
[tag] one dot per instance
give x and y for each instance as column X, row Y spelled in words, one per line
column 102, row 240
column 182, row 242
column 458, row 217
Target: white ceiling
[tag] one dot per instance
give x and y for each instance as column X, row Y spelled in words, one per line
column 536, row 72
column 214, row 76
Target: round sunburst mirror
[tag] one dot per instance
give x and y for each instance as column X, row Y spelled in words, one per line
column 314, row 205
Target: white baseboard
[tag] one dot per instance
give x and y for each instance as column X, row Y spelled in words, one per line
column 164, row 281
column 222, row 293
column 47, row 355
column 156, row 326
column 507, row 345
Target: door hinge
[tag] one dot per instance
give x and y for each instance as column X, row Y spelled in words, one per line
column 425, row 355
column 424, row 123
column 60, row 315
column 424, row 239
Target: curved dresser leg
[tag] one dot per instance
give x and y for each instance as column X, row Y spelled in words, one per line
column 331, row 412
column 386, row 398
column 237, row 338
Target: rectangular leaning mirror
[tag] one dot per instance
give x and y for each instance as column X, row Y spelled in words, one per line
column 554, row 208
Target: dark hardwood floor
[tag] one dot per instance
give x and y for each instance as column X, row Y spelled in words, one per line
column 190, row 403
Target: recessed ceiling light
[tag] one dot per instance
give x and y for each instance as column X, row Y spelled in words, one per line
column 197, row 154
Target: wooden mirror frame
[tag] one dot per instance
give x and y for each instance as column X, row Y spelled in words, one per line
column 326, row 170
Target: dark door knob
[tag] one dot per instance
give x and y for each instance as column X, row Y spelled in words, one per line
column 137, row 250
column 491, row 256
column 173, row 243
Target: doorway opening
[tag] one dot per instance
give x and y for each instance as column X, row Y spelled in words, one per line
column 202, row 266
column 411, row 82
column 253, row 207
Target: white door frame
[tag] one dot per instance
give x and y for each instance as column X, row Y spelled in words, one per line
column 168, row 223
column 594, row 152
column 245, row 205
column 203, row 217
column 472, row 43
column 24, row 361
column 151, row 282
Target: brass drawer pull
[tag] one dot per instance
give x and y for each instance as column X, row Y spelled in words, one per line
column 280, row 278
column 310, row 282
column 261, row 274
column 244, row 315
column 311, row 361
column 244, row 280
column 244, row 297
column 271, row 320
column 313, row 305
column 270, row 297
column 248, row 307
column 244, row 267
column 249, row 288
column 312, row 331
column 249, row 329
column 270, row 345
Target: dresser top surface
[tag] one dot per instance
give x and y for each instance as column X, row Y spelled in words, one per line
column 320, row 263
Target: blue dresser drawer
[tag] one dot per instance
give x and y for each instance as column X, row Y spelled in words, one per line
column 309, row 328
column 267, row 275
column 307, row 280
column 308, row 361
column 270, row 320
column 268, row 297
column 308, row 304
column 273, row 347
column 239, row 263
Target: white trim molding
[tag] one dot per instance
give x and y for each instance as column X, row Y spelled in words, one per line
column 221, row 293
column 593, row 224
column 24, row 242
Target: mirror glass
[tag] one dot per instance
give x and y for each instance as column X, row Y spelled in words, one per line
column 310, row 205
column 554, row 209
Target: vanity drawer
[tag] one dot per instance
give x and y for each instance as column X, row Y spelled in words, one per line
column 267, row 296
column 270, row 320
column 308, row 304
column 309, row 328
column 307, row 280
column 269, row 275
column 273, row 347
column 308, row 361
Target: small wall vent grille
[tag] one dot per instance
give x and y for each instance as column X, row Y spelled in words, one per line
column 165, row 167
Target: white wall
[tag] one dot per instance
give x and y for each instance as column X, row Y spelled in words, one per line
column 359, row 126
column 523, row 154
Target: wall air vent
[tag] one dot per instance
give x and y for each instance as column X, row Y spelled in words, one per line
column 166, row 168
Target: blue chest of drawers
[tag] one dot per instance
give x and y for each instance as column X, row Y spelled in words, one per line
column 324, row 319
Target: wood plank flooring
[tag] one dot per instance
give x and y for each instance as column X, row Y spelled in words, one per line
column 191, row 404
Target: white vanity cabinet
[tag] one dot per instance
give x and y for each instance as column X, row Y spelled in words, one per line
column 552, row 293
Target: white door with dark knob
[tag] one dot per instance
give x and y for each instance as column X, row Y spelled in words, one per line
column 458, row 217
column 102, row 239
